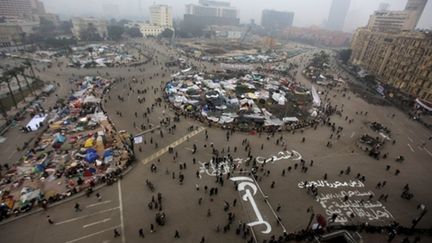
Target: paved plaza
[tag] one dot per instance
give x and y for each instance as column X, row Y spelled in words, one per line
column 206, row 199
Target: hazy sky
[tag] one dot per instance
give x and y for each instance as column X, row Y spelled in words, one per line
column 307, row 12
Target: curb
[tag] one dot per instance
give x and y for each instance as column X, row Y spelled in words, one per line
column 78, row 195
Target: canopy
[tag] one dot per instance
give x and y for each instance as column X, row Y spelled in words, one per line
column 35, row 121
column 424, row 105
column 89, row 143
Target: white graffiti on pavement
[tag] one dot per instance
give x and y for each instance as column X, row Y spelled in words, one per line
column 283, row 155
column 246, row 184
column 337, row 203
column 224, row 167
column 335, row 184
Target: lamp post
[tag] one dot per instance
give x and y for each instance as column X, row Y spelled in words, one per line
column 423, row 209
column 312, row 215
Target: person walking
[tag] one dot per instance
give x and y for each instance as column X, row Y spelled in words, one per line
column 141, row 233
column 49, row 220
column 116, row 233
column 77, row 207
column 177, row 234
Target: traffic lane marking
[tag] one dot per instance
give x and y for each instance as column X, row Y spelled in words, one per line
column 97, row 222
column 86, row 216
column 173, row 145
column 97, row 204
column 93, row 234
column 409, row 145
column 427, row 151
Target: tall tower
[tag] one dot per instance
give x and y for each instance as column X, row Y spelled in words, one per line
column 337, row 14
column 417, row 7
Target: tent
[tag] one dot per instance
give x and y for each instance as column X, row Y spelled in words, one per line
column 91, row 157
column 35, row 121
column 89, row 143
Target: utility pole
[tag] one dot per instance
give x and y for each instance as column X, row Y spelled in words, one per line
column 423, row 209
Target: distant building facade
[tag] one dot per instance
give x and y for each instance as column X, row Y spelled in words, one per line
column 160, row 20
column 206, row 13
column 19, row 18
column 396, row 21
column 11, row 10
column 317, row 36
column 402, row 60
column 337, row 15
column 273, row 19
column 161, row 15
column 79, row 24
column 10, row 36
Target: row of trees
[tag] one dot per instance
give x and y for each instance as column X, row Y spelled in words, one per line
column 117, row 30
column 12, row 74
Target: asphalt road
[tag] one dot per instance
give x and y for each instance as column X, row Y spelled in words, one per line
column 124, row 205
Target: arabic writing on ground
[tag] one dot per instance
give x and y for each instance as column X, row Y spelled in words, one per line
column 247, row 185
column 348, row 204
column 335, row 184
column 226, row 166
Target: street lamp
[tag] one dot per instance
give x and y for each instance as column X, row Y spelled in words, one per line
column 311, row 211
column 423, row 209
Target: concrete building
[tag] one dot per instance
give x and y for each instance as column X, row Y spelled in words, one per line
column 207, row 13
column 151, row 30
column 276, row 20
column 160, row 20
column 402, row 60
column 400, row 20
column 317, row 37
column 80, row 23
column 161, row 15
column 10, row 36
column 337, row 15
column 391, row 21
column 416, row 7
column 12, row 10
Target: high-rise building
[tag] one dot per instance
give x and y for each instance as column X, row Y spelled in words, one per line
column 395, row 21
column 15, row 9
column 337, row 15
column 416, row 7
column 273, row 19
column 160, row 20
column 161, row 15
column 207, row 13
column 402, row 60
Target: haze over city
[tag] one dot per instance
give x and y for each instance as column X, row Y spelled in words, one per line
column 307, row 12
column 207, row 121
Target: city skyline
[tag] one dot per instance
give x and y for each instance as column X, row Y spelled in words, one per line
column 358, row 13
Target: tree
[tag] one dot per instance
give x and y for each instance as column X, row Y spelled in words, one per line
column 21, row 70
column 27, row 63
column 167, row 33
column 90, row 33
column 370, row 79
column 345, row 55
column 134, row 32
column 115, row 32
column 65, row 27
column 6, row 78
column 14, row 73
column 46, row 26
